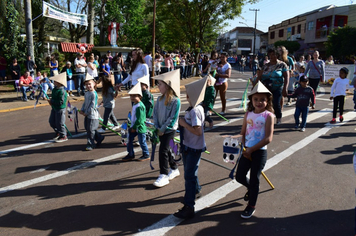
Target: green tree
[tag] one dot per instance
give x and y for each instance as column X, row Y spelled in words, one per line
column 341, row 42
column 10, row 40
column 291, row 46
column 198, row 20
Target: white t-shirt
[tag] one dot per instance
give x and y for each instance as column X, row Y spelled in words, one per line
column 194, row 117
column 223, row 70
column 140, row 71
column 80, row 62
column 91, row 72
column 148, row 60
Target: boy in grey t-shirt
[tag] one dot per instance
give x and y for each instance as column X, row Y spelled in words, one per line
column 194, row 145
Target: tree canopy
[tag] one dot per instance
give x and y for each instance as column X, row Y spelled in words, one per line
column 341, row 42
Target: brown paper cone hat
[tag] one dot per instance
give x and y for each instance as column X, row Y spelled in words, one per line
column 196, row 91
column 145, row 80
column 88, row 77
column 61, row 78
column 213, row 80
column 136, row 89
column 172, row 79
column 259, row 88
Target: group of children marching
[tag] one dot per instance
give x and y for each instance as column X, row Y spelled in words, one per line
column 166, row 122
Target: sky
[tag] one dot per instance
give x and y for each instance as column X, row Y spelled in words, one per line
column 273, row 12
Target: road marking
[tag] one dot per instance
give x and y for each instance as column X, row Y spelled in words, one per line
column 169, row 222
column 84, row 165
column 36, row 144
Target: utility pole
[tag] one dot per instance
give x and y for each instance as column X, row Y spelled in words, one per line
column 29, row 33
column 254, row 32
column 90, row 28
column 153, row 42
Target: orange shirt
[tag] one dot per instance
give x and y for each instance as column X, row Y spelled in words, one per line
column 26, row 81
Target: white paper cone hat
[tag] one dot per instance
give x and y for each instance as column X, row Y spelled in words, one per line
column 259, row 88
column 196, row 91
column 172, row 79
column 61, row 78
column 136, row 89
column 145, row 80
column 213, row 80
column 88, row 77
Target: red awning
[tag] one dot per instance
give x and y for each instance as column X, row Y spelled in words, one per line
column 76, row 47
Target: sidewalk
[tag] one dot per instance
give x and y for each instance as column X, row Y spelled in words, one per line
column 11, row 101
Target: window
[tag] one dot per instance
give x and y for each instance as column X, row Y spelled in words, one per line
column 280, row 33
column 271, row 35
column 299, row 29
column 310, row 25
column 245, row 43
column 293, row 30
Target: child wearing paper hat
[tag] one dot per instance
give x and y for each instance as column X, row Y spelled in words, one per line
column 90, row 111
column 257, row 132
column 165, row 117
column 147, row 97
column 138, row 126
column 59, row 103
column 193, row 145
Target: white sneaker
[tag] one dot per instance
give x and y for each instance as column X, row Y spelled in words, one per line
column 101, row 131
column 116, row 127
column 173, row 173
column 162, row 180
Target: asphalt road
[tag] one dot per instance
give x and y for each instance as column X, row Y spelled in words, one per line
column 60, row 189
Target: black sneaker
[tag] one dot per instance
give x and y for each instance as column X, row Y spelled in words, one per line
column 100, row 141
column 248, row 212
column 185, row 213
column 143, row 158
column 128, row 158
column 341, row 118
column 247, row 197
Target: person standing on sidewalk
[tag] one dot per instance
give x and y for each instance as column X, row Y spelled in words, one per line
column 30, row 65
column 80, row 65
column 193, row 145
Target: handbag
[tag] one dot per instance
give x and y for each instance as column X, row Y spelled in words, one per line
column 321, row 77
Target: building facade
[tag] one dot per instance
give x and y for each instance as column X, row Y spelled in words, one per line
column 311, row 29
column 239, row 41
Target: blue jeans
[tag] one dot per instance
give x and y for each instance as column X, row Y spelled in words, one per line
column 304, row 111
column 182, row 72
column 191, row 161
column 80, row 81
column 25, row 89
column 259, row 159
column 117, row 78
column 141, row 140
column 254, row 70
column 354, row 99
column 277, row 96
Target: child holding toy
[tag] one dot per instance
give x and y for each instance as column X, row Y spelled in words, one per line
column 109, row 95
column 138, row 126
column 90, row 111
column 260, row 111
